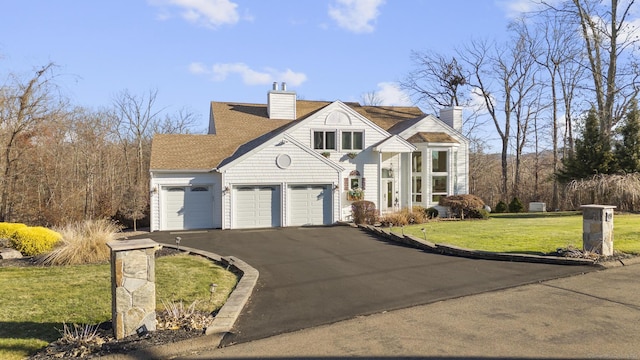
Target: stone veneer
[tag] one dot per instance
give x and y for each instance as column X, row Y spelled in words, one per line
column 133, row 286
column 597, row 229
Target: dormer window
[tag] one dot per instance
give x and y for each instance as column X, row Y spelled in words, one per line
column 352, row 140
column 324, row 140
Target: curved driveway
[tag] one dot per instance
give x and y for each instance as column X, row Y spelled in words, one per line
column 320, row 275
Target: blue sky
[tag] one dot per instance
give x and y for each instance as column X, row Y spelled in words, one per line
column 197, row 51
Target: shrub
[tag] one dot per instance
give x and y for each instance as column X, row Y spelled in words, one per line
column 364, row 212
column 82, row 243
column 501, row 207
column 404, row 217
column 31, row 241
column 432, row 213
column 463, row 205
column 479, row 214
column 6, row 232
column 515, row 206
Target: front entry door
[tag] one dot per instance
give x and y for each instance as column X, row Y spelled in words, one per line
column 387, row 195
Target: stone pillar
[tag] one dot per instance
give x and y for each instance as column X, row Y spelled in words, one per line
column 133, row 286
column 597, row 229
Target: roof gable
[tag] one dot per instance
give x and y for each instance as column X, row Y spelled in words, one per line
column 432, row 137
column 237, row 128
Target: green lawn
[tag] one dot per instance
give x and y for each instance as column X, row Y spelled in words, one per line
column 525, row 233
column 35, row 301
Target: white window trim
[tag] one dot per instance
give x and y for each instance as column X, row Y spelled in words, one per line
column 324, row 139
column 351, row 132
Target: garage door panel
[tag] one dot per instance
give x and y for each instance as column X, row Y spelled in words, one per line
column 174, row 209
column 188, row 207
column 310, row 205
column 257, row 206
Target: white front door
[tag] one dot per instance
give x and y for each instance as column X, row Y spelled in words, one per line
column 387, row 195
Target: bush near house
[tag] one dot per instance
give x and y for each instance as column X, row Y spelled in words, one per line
column 417, row 215
column 364, row 212
column 31, row 241
column 431, row 213
column 465, row 206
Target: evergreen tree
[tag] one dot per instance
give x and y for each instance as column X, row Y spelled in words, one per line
column 627, row 152
column 592, row 153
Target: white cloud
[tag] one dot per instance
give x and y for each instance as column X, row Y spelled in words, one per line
column 516, row 8
column 220, row 72
column 355, row 15
column 207, row 13
column 390, row 94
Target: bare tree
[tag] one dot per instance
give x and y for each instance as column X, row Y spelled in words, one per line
column 135, row 118
column 609, row 42
column 26, row 104
column 437, row 81
column 371, row 98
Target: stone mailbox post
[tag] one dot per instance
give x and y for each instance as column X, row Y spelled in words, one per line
column 133, row 286
column 597, row 229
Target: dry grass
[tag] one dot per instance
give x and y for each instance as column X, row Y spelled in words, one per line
column 82, row 243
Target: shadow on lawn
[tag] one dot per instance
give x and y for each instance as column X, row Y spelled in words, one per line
column 30, row 330
column 498, row 216
column 26, row 330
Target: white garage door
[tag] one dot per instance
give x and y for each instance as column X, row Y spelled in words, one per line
column 257, row 206
column 310, row 205
column 188, row 207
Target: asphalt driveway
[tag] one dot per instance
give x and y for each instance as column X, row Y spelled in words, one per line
column 320, row 275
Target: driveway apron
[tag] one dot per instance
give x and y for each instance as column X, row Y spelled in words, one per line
column 312, row 276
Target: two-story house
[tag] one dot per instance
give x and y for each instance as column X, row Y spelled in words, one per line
column 293, row 162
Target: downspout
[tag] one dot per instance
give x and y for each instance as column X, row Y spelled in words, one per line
column 379, row 176
column 409, row 181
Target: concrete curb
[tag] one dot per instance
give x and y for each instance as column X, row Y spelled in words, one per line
column 476, row 254
column 222, row 323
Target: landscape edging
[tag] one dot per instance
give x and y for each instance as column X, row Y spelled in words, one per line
column 444, row 249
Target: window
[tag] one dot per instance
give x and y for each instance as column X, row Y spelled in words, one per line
column 439, row 161
column 416, row 189
column 352, row 140
column 416, row 177
column 416, row 162
column 324, row 140
column 438, row 187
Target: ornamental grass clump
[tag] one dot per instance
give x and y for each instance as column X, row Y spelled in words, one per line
column 32, row 241
column 82, row 243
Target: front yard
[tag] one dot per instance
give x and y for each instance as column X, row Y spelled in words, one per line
column 531, row 233
column 37, row 300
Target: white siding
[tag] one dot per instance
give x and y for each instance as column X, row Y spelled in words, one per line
column 281, row 105
column 261, row 168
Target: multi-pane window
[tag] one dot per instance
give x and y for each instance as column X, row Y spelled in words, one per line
column 324, row 140
column 439, row 178
column 438, row 187
column 439, row 161
column 352, row 140
column 416, row 176
column 416, row 162
column 416, row 188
